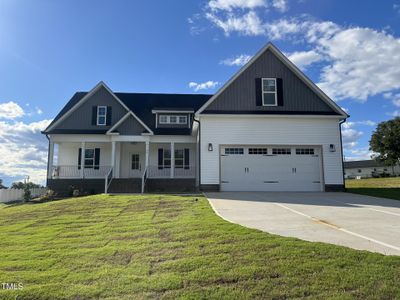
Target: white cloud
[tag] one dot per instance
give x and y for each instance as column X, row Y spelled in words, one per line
column 238, row 60
column 38, row 111
column 350, row 124
column 280, row 5
column 10, row 110
column 362, row 153
column 359, row 62
column 395, row 113
column 304, row 58
column 350, row 137
column 396, row 7
column 395, row 98
column 229, row 5
column 23, row 150
column 246, row 24
column 203, row 86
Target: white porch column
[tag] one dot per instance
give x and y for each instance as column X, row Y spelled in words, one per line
column 117, row 159
column 147, row 150
column 82, row 159
column 51, row 158
column 113, row 154
column 172, row 159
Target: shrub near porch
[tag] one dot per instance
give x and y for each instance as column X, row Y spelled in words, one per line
column 154, row 246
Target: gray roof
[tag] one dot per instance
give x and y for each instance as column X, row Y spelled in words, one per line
column 142, row 105
column 371, row 163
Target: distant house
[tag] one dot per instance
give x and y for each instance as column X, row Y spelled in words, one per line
column 368, row 168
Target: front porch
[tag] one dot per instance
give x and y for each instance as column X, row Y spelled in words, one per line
column 127, row 163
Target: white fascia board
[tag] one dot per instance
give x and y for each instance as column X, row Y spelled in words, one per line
column 60, row 138
column 339, row 117
column 290, row 65
column 142, row 123
column 156, row 111
column 110, row 131
column 172, row 138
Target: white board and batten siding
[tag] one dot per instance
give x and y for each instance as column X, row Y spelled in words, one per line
column 318, row 132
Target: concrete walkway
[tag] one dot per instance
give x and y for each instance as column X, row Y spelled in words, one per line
column 351, row 220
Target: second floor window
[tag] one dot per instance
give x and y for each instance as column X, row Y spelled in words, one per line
column 173, row 119
column 269, row 94
column 101, row 115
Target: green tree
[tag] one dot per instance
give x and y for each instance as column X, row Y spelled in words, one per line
column 1, row 184
column 24, row 185
column 385, row 142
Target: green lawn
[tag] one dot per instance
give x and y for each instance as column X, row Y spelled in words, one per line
column 378, row 187
column 151, row 246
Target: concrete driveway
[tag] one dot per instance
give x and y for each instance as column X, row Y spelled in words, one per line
column 351, row 220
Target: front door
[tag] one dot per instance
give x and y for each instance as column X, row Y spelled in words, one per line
column 135, row 167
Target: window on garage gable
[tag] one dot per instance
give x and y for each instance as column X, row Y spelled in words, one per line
column 269, row 92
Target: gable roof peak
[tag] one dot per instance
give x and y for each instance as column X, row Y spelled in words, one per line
column 278, row 53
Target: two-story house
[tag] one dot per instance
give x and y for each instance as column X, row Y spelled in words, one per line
column 269, row 128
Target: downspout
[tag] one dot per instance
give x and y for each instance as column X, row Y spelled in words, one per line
column 341, row 149
column 198, row 150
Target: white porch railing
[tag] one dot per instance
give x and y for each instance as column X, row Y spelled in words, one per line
column 107, row 180
column 163, row 172
column 70, row 172
column 144, row 179
column 77, row 172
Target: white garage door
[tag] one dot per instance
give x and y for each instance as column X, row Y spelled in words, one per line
column 270, row 168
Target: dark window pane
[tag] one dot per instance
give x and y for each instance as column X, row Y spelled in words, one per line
column 89, row 153
column 269, row 99
column 269, row 85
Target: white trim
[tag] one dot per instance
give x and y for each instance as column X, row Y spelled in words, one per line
column 110, row 131
column 168, row 120
column 272, row 116
column 155, row 111
column 87, row 96
column 291, row 66
column 269, row 92
column 105, row 115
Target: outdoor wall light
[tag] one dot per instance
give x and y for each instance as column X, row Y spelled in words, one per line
column 210, row 147
column 332, row 148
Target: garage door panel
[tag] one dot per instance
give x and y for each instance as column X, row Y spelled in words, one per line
column 267, row 172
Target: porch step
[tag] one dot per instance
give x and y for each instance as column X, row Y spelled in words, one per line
column 125, row 185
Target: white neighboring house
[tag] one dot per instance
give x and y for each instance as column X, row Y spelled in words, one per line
column 368, row 168
column 269, row 128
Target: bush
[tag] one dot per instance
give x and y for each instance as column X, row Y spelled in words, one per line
column 48, row 196
column 27, row 194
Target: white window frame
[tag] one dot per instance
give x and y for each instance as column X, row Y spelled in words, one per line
column 179, row 120
column 177, row 166
column 163, row 122
column 135, row 163
column 98, row 115
column 91, row 158
column 269, row 92
column 168, row 119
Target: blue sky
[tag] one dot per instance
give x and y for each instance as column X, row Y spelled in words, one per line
column 50, row 49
